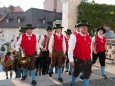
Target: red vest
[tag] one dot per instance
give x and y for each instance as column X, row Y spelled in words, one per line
column 66, row 41
column 29, row 46
column 83, row 47
column 6, row 58
column 58, row 42
column 100, row 44
column 17, row 38
column 46, row 42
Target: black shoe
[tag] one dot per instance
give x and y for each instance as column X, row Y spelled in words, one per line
column 24, row 77
column 7, row 78
column 69, row 73
column 104, row 77
column 36, row 74
column 39, row 73
column 43, row 74
column 50, row 74
column 34, row 82
column 66, row 71
column 72, row 85
column 60, row 79
column 81, row 77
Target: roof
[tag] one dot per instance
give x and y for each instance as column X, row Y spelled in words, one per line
column 31, row 16
column 5, row 10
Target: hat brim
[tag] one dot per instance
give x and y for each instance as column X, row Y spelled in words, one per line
column 58, row 27
column 79, row 25
column 21, row 31
column 48, row 29
column 26, row 28
column 69, row 33
column 104, row 31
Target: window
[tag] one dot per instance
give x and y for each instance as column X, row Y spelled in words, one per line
column 7, row 20
column 19, row 20
column 44, row 20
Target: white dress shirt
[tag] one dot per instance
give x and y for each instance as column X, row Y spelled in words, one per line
column 42, row 39
column 19, row 42
column 51, row 43
column 72, row 44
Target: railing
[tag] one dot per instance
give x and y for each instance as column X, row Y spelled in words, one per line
column 110, row 59
column 111, row 49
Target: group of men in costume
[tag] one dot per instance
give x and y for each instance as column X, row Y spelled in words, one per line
column 53, row 49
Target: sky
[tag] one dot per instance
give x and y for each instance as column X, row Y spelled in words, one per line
column 26, row 4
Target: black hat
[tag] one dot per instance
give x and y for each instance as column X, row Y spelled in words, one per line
column 29, row 26
column 8, row 53
column 82, row 23
column 101, row 28
column 68, row 32
column 58, row 26
column 49, row 28
column 22, row 30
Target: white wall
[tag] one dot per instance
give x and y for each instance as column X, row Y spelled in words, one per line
column 49, row 5
column 69, row 13
column 10, row 33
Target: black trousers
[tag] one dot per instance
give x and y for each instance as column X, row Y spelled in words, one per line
column 102, row 58
column 38, row 63
column 83, row 66
column 45, row 62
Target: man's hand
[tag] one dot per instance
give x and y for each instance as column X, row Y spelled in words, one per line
column 64, row 55
column 17, row 53
column 72, row 63
column 44, row 49
column 37, row 56
column 95, row 52
column 106, row 54
column 50, row 55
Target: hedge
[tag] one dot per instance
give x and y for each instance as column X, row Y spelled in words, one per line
column 97, row 14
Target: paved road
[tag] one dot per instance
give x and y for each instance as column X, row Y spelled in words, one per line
column 95, row 79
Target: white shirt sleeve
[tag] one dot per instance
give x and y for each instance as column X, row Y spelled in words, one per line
column 12, row 58
column 64, row 45
column 37, row 46
column 17, row 46
column 41, row 41
column 51, row 43
column 71, row 43
column 93, row 39
column 13, row 43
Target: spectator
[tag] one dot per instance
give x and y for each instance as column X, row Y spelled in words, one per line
column 109, row 33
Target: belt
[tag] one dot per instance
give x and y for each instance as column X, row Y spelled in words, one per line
column 80, row 60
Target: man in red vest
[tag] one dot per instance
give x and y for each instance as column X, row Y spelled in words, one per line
column 29, row 43
column 57, row 49
column 44, row 42
column 100, row 49
column 17, row 66
column 79, row 53
column 67, row 37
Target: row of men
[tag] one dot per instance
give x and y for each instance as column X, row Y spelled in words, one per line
column 77, row 48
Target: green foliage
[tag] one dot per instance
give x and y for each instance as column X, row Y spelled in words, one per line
column 97, row 14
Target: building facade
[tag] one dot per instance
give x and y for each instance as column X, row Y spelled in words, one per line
column 53, row 5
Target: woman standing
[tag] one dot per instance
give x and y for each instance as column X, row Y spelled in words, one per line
column 100, row 49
